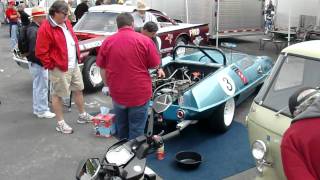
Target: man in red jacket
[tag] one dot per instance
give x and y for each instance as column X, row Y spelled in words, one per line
column 58, row 49
column 13, row 16
column 300, row 145
column 125, row 58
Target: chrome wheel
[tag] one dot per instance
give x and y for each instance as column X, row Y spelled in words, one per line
column 182, row 50
column 229, row 110
column 94, row 74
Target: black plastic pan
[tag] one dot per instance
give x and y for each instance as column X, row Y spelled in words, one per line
column 188, row 159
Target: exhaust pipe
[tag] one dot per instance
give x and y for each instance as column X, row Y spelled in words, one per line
column 180, row 126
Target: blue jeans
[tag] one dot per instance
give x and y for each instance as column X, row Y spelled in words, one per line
column 39, row 88
column 130, row 121
column 13, row 35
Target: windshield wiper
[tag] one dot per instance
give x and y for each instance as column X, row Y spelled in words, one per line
column 281, row 111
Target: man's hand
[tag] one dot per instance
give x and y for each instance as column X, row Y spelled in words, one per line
column 105, row 91
column 161, row 73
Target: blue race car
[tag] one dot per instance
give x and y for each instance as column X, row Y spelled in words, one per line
column 205, row 84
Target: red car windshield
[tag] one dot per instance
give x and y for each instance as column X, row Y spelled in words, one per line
column 97, row 22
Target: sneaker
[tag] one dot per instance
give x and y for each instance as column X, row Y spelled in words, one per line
column 46, row 114
column 84, row 118
column 64, row 128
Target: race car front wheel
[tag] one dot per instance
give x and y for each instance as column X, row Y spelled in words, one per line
column 91, row 74
column 221, row 119
column 181, row 41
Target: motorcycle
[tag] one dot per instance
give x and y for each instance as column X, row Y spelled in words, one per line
column 269, row 22
column 126, row 159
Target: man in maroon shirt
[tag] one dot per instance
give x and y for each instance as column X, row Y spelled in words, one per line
column 300, row 145
column 124, row 59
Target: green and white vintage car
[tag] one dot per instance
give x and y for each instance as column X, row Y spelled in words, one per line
column 297, row 66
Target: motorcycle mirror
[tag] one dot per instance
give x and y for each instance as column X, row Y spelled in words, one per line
column 88, row 169
column 162, row 103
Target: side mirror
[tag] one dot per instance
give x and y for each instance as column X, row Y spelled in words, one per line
column 88, row 169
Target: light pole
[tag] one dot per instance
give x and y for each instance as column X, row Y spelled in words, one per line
column 187, row 10
column 289, row 24
column 217, row 25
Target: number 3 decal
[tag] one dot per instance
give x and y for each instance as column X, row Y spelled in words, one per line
column 227, row 85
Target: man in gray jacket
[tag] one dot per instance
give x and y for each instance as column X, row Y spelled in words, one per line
column 39, row 74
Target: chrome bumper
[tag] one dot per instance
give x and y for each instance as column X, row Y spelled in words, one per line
column 21, row 61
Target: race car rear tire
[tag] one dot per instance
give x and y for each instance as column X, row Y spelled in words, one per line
column 91, row 75
column 222, row 118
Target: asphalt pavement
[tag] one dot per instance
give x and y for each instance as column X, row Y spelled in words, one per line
column 32, row 149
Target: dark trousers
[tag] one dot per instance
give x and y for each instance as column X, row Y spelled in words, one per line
column 130, row 121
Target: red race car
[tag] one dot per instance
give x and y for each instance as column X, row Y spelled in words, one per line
column 100, row 22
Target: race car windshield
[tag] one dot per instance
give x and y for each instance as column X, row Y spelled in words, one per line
column 200, row 54
column 97, row 22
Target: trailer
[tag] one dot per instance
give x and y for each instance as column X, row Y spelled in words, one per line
column 297, row 13
column 47, row 3
column 227, row 17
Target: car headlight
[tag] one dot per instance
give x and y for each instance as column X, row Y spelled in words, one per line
column 259, row 150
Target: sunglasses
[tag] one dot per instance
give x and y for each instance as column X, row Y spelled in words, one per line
column 64, row 13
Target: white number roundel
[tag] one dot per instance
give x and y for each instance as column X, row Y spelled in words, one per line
column 227, row 85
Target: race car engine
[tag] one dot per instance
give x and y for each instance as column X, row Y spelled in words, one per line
column 179, row 78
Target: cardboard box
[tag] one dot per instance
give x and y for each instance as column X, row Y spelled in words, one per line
column 104, row 125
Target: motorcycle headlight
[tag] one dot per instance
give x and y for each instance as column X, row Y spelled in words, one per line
column 119, row 155
column 259, row 149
